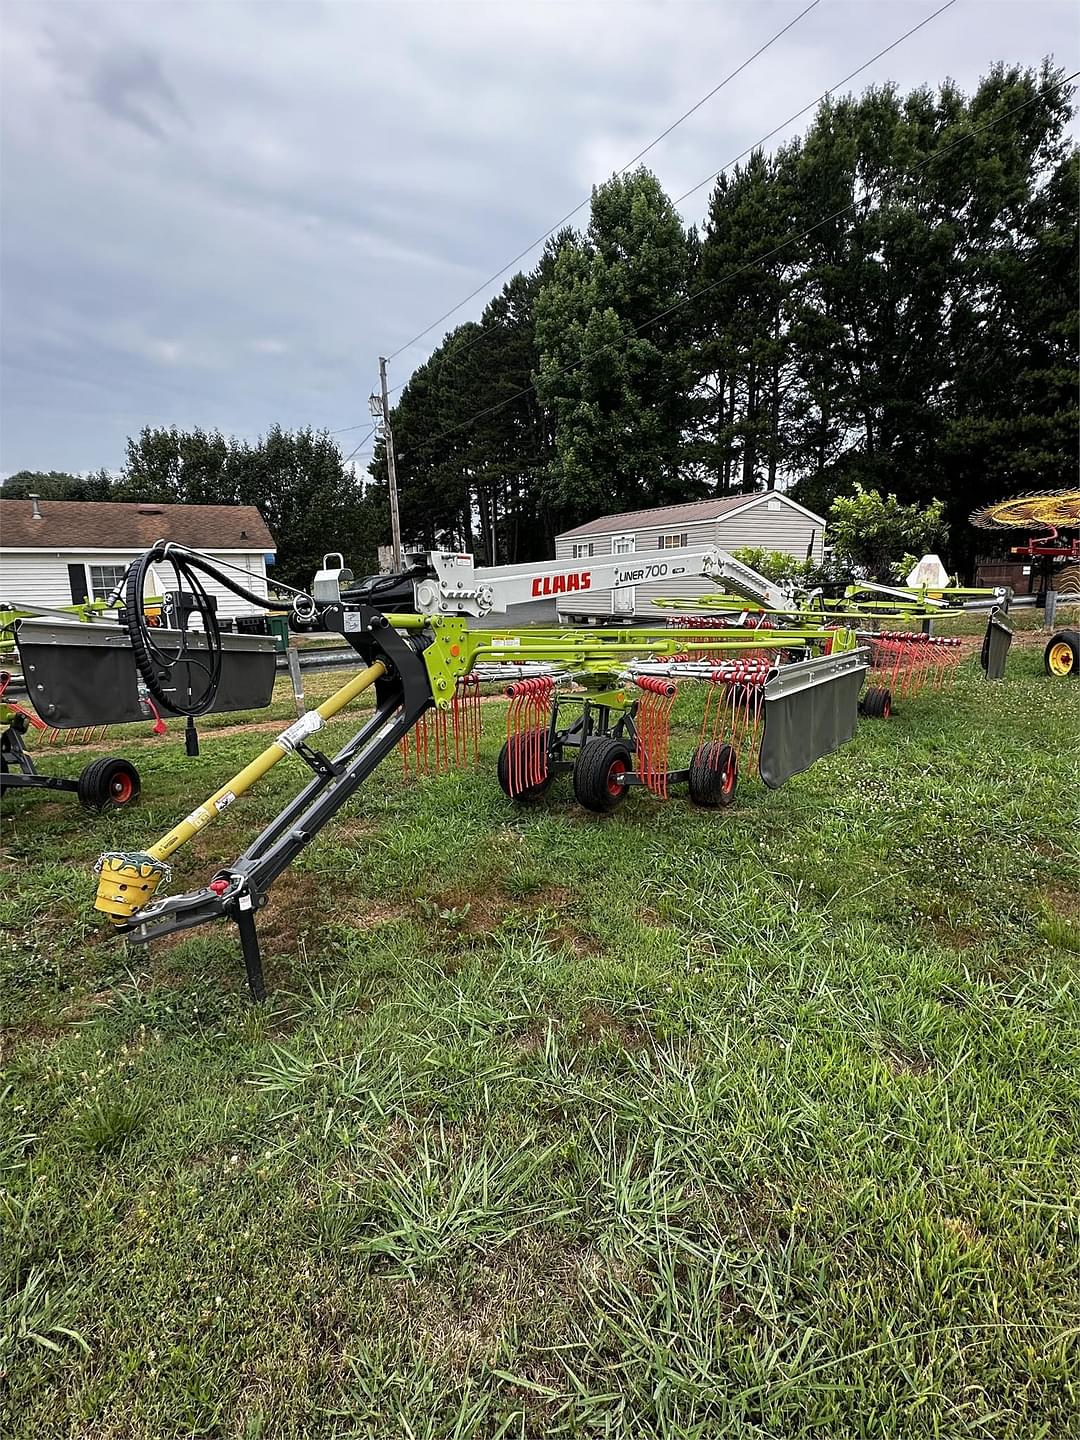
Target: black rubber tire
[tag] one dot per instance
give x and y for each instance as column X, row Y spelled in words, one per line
column 598, row 762
column 714, row 775
column 876, row 704
column 1071, row 638
column 531, row 792
column 109, row 784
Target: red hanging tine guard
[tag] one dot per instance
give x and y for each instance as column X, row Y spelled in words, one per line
column 734, row 709
column 439, row 741
column 653, row 724
column 527, row 718
column 904, row 662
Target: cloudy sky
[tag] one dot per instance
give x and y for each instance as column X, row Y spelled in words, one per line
column 222, row 213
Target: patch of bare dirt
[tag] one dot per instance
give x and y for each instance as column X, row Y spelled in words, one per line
column 30, row 1032
column 553, row 897
column 1063, row 899
column 598, row 1024
column 533, row 1281
column 486, row 910
column 573, row 939
column 955, row 937
column 907, row 1062
column 86, row 1005
column 533, row 1038
column 368, row 914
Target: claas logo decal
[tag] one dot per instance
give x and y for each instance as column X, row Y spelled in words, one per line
column 562, row 584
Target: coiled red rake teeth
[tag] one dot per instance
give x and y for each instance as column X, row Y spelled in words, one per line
column 697, row 622
column 528, row 719
column 444, row 738
column 734, row 711
column 905, row 663
column 653, row 725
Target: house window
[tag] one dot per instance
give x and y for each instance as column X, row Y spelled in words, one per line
column 671, row 542
column 104, row 579
column 581, row 551
column 773, row 505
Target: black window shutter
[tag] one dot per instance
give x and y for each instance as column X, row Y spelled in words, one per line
column 77, row 581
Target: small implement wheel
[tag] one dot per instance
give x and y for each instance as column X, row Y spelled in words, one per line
column 1062, row 654
column 598, row 774
column 714, row 775
column 513, row 763
column 876, row 704
column 109, row 784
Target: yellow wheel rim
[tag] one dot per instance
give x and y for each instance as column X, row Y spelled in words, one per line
column 1060, row 658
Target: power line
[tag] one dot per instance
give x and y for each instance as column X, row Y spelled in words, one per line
column 715, row 175
column 581, row 205
column 359, row 447
column 741, row 269
column 709, row 179
column 823, row 96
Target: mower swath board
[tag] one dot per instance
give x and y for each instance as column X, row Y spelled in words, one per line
column 79, row 675
column 811, row 709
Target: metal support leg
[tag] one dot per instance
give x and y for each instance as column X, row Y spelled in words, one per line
column 249, row 943
column 292, row 655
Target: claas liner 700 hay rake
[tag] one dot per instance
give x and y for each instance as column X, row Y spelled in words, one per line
column 789, row 695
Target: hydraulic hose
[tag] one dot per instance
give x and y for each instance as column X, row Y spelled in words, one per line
column 156, row 662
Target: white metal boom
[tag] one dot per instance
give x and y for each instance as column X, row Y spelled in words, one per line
column 459, row 588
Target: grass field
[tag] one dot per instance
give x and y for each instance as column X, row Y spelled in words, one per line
column 758, row 1124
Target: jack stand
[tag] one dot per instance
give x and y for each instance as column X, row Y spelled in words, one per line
column 136, row 952
column 249, row 943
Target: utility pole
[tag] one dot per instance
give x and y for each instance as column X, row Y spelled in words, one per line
column 380, row 410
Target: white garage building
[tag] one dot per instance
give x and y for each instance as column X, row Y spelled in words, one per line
column 769, row 521
column 62, row 552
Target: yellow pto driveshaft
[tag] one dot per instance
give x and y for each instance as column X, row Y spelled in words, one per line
column 127, row 880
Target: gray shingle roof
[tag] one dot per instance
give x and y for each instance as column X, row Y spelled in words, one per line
column 690, row 513
column 120, row 525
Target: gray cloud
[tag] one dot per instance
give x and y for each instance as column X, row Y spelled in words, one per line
column 221, row 213
column 131, row 87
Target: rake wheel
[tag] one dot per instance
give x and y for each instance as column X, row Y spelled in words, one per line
column 876, row 704
column 1060, row 508
column 598, row 773
column 714, row 775
column 109, row 784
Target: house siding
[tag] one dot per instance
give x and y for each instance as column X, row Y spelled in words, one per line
column 786, row 529
column 40, row 577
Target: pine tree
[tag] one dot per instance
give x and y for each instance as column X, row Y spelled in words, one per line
column 611, row 333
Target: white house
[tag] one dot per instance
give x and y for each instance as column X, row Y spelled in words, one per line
column 769, row 521
column 61, row 552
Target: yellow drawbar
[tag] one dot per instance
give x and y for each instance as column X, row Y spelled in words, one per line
column 128, row 879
